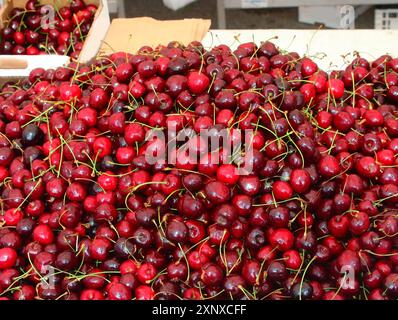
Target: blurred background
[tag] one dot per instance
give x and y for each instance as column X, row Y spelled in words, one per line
column 264, row 14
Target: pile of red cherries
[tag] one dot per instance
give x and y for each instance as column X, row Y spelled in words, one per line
column 85, row 215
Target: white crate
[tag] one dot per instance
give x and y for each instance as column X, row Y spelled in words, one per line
column 13, row 67
column 330, row 49
column 386, row 18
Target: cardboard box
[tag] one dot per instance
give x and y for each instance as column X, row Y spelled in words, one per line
column 14, row 66
column 129, row 35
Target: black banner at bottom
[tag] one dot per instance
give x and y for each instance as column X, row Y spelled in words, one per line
column 115, row 310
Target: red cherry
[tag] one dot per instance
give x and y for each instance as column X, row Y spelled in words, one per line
column 19, row 38
column 146, row 272
column 329, row 166
column 76, row 192
column 12, row 216
column 225, row 117
column 88, row 116
column 99, row 248
column 98, row 98
column 102, row 146
column 336, row 88
column 65, row 13
column 308, row 67
column 118, row 291
column 367, row 167
column 32, row 51
column 144, row 293
column 282, row 190
column 385, row 157
column 128, row 266
column 324, row 119
column 282, row 239
column 292, row 259
column 63, row 38
column 197, row 82
column 343, row 121
column 43, row 234
column 338, row 226
column 309, row 92
column 300, row 180
column 69, row 92
column 8, row 258
column 228, row 173
column 134, row 132
column 359, row 223
column 124, row 72
column 319, row 81
column 136, row 89
column 107, row 181
column 91, row 294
